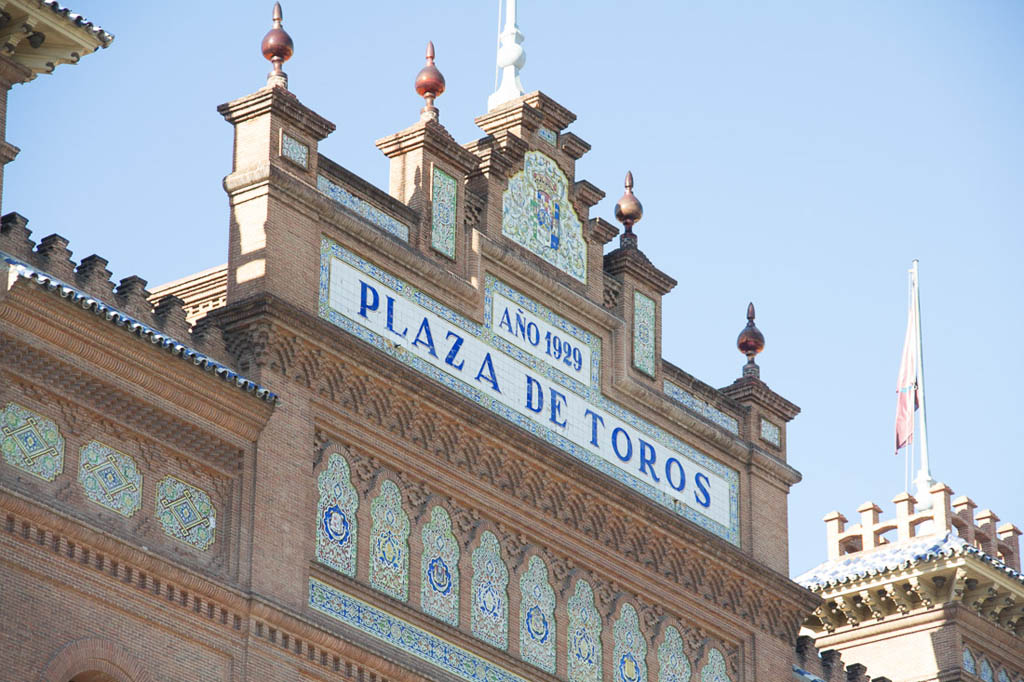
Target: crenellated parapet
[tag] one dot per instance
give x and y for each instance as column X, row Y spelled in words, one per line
column 943, row 515
column 160, row 319
column 812, row 665
column 921, row 561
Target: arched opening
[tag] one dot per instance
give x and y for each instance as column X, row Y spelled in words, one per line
column 93, row 676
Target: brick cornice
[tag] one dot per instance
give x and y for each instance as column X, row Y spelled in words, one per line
column 280, row 101
column 631, row 262
column 751, row 389
column 25, row 307
column 433, row 137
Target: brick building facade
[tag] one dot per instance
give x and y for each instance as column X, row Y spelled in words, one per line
column 417, row 434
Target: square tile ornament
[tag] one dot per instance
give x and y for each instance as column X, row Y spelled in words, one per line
column 771, row 433
column 294, row 151
column 31, row 442
column 110, row 478
column 186, row 513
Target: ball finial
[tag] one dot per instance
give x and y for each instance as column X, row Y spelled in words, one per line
column 750, row 342
column 629, row 210
column 278, row 48
column 429, row 85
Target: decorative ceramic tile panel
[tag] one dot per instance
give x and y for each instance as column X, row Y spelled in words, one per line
column 186, row 512
column 389, row 543
column 442, row 224
column 969, row 662
column 367, row 211
column 537, row 617
column 584, row 640
column 673, row 665
column 548, row 136
column 630, row 652
column 394, row 631
column 701, row 408
column 110, row 478
column 31, row 442
column 644, row 321
column 343, row 276
column 337, row 524
column 714, row 669
column 439, row 570
column 771, row 433
column 294, row 151
column 538, row 215
column 489, row 620
column 985, row 671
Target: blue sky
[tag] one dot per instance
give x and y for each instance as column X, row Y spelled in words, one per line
column 799, row 155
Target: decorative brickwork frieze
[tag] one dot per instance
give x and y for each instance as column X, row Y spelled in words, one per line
column 353, row 389
column 60, row 381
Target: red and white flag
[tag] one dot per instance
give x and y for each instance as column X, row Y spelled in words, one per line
column 906, row 384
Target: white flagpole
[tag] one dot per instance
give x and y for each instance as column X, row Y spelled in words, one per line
column 497, row 46
column 924, row 474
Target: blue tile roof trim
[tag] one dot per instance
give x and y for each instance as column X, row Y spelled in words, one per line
column 852, row 567
column 701, row 408
column 79, row 21
column 802, row 674
column 143, row 331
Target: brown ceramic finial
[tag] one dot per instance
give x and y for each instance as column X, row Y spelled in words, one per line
column 629, row 210
column 429, row 85
column 278, row 48
column 751, row 340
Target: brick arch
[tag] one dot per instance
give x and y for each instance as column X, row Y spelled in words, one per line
column 94, row 660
